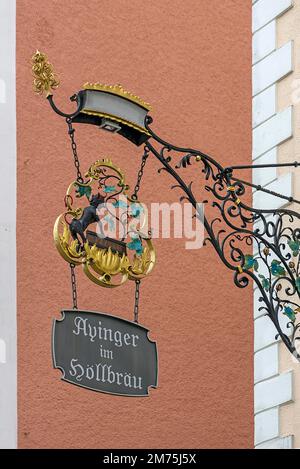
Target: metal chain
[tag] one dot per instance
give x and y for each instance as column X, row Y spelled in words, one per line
column 140, row 173
column 135, row 197
column 79, row 178
column 74, row 289
column 136, row 302
column 71, row 132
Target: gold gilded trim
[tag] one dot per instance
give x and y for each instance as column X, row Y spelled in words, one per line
column 103, row 266
column 45, row 79
column 117, row 119
column 119, row 91
column 95, row 168
column 104, row 280
column 143, row 265
column 66, row 247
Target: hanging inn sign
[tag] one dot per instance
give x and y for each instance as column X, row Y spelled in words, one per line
column 109, row 354
column 104, row 353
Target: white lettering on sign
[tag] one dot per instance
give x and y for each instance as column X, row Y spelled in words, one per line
column 83, row 326
column 104, row 373
column 106, row 353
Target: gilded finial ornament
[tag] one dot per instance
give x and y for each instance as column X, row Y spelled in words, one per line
column 45, row 80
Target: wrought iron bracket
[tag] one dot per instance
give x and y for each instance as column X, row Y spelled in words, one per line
column 78, row 98
column 257, row 245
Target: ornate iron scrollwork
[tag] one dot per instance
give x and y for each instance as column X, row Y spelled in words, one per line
column 261, row 245
column 105, row 260
column 258, row 245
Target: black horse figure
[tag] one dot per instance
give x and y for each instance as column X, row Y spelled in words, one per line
column 89, row 215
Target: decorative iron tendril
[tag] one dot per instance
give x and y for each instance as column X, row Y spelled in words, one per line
column 258, row 245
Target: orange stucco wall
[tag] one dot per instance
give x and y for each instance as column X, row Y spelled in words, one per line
column 191, row 60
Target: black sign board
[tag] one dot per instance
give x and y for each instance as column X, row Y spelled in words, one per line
column 104, row 353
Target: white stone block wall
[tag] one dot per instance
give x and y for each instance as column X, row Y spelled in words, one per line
column 270, row 129
column 265, row 11
column 8, row 339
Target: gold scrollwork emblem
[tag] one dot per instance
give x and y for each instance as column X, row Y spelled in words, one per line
column 103, row 203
